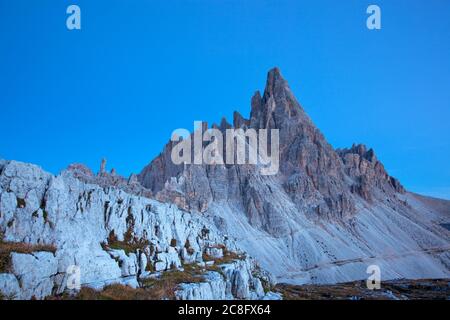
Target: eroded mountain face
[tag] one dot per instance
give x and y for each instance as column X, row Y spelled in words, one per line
column 325, row 217
column 321, row 182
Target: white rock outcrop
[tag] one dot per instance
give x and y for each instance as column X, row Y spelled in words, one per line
column 80, row 220
column 234, row 281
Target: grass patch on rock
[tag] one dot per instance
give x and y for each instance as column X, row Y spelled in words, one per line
column 160, row 288
column 6, row 248
column 111, row 292
column 165, row 286
column 228, row 256
column 129, row 244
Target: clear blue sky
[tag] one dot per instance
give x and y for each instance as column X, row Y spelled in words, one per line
column 139, row 69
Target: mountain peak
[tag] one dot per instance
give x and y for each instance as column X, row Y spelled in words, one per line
column 277, row 104
column 275, row 82
column 275, row 71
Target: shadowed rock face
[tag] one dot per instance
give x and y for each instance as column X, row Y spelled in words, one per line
column 320, row 181
column 325, row 217
column 367, row 172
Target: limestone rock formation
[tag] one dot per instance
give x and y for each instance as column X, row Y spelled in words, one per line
column 112, row 179
column 319, row 180
column 110, row 235
column 324, row 206
column 324, row 218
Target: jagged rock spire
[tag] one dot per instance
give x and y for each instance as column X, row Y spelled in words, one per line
column 317, row 179
column 277, row 105
column 275, row 83
column 102, row 167
column 239, row 121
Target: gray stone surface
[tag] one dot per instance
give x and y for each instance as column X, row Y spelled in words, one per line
column 79, row 218
column 325, row 206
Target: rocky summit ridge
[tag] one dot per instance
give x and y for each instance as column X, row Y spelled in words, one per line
column 319, row 181
column 220, row 231
column 324, row 207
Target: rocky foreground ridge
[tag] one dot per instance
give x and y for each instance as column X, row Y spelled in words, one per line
column 50, row 223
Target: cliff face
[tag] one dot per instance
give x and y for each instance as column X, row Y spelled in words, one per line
column 320, row 181
column 49, row 224
column 323, row 207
